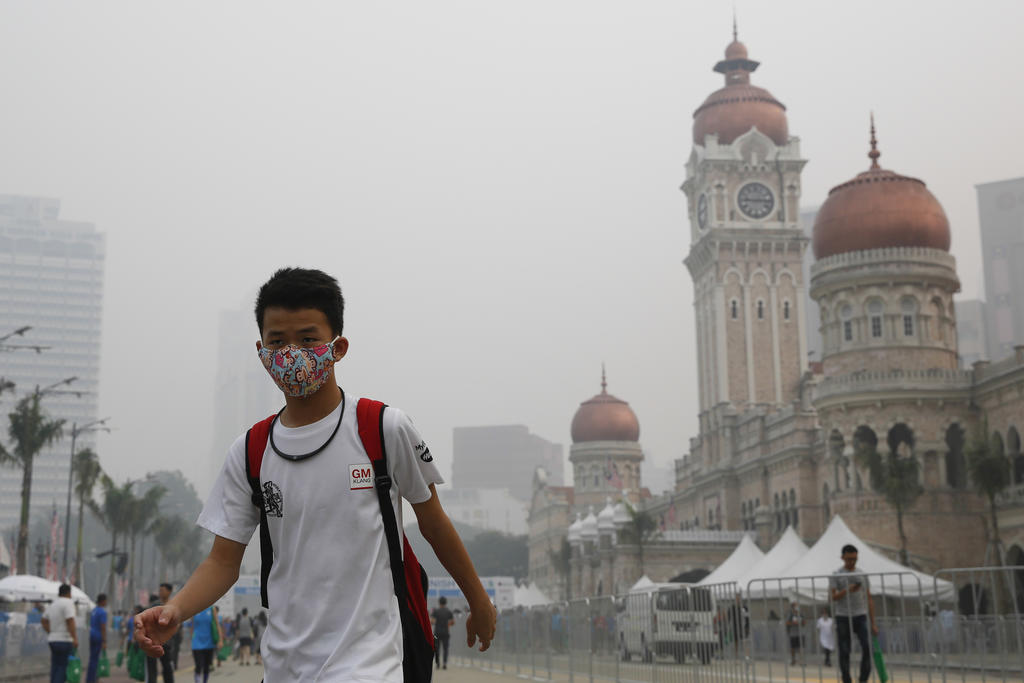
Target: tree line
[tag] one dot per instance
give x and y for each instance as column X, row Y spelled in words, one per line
column 130, row 518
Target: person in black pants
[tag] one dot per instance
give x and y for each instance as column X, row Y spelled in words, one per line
column 443, row 619
column 851, row 595
column 167, row 658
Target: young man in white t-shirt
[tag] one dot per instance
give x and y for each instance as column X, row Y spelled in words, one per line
column 59, row 623
column 333, row 611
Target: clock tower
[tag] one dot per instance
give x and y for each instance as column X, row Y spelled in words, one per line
column 746, row 249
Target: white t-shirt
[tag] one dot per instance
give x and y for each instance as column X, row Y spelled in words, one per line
column 826, row 633
column 58, row 612
column 333, row 612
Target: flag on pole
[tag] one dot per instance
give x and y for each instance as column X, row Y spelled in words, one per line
column 611, row 473
column 672, row 514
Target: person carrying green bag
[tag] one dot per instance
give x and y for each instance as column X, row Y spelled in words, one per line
column 97, row 639
column 850, row 590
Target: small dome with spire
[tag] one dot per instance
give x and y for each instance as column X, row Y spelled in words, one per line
column 739, row 106
column 621, row 515
column 604, row 418
column 573, row 534
column 588, row 528
column 878, row 209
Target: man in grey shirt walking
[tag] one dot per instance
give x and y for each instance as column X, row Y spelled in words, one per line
column 851, row 595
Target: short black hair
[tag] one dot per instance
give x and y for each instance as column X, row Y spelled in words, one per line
column 442, row 601
column 245, row 611
column 296, row 288
column 102, row 597
column 849, row 548
column 64, row 590
column 168, row 586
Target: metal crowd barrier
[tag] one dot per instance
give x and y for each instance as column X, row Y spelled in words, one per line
column 962, row 624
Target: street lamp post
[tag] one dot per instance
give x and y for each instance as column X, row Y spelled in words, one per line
column 94, row 426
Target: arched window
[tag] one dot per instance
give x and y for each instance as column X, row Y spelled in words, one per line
column 909, row 309
column 734, row 309
column 785, row 310
column 826, row 503
column 793, row 512
column 760, row 309
column 846, row 316
column 875, row 310
column 956, row 464
column 1013, row 452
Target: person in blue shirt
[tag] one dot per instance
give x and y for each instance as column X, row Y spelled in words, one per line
column 203, row 644
column 97, row 636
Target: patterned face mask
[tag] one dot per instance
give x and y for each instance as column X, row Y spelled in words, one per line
column 299, row 372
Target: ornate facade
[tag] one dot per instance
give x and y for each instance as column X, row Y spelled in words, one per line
column 779, row 437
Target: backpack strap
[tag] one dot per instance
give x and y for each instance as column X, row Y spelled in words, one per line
column 255, row 444
column 370, row 417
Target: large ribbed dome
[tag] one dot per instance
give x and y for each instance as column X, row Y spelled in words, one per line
column 879, row 209
column 739, row 106
column 605, row 418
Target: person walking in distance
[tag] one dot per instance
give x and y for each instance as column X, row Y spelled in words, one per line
column 319, row 500
column 166, row 658
column 244, row 631
column 59, row 623
column 97, row 636
column 203, row 644
column 851, row 597
column 794, row 628
column 826, row 635
column 443, row 620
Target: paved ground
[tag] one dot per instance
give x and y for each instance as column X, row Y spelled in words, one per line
column 231, row 672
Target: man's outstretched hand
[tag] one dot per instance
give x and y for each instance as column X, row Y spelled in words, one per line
column 155, row 626
column 481, row 625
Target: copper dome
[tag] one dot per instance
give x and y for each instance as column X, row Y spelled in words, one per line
column 605, row 418
column 879, row 209
column 739, row 106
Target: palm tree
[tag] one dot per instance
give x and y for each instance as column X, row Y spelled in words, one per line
column 115, row 515
column 989, row 469
column 640, row 529
column 144, row 509
column 30, row 431
column 895, row 474
column 87, row 471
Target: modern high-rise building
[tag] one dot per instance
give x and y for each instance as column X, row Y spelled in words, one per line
column 970, row 331
column 51, row 281
column 1001, row 216
column 503, row 457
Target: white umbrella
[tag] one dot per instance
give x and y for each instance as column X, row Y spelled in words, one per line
column 28, row 588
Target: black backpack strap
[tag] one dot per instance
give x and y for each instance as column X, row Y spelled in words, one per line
column 255, row 445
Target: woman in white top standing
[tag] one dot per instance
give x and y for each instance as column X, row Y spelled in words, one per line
column 826, row 635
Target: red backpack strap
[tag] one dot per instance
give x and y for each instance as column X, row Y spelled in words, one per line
column 255, row 444
column 408, row 577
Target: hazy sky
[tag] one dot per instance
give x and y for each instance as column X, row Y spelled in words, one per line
column 495, row 184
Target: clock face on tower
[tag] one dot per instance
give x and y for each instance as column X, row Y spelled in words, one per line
column 702, row 212
column 755, row 200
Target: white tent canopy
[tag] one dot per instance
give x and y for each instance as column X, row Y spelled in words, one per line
column 530, row 596
column 645, row 585
column 808, row 576
column 787, row 551
column 28, row 588
column 742, row 558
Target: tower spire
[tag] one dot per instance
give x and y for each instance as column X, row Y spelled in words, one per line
column 874, row 153
column 604, row 382
column 735, row 33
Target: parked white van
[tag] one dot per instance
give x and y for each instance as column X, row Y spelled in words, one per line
column 676, row 620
